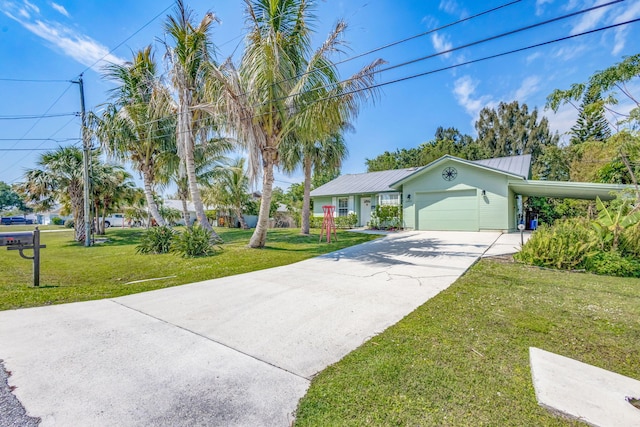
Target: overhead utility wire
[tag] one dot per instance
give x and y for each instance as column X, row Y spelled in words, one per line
column 549, row 21
column 397, row 42
column 127, row 39
column 485, row 58
column 33, row 80
column 557, row 40
column 38, row 117
column 464, row 46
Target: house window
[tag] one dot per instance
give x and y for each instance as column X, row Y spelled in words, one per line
column 389, row 199
column 343, row 206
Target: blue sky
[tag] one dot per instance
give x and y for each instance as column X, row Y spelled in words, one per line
column 41, row 39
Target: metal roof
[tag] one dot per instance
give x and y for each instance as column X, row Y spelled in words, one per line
column 517, row 165
column 571, row 190
column 362, row 183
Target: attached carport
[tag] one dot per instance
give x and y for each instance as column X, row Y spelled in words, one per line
column 567, row 190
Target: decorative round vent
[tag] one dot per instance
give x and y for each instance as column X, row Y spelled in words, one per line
column 449, row 174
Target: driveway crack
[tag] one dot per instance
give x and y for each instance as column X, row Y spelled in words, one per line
column 212, row 340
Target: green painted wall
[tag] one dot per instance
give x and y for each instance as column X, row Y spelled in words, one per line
column 492, row 209
column 318, row 203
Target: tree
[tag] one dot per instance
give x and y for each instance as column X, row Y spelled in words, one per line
column 111, row 189
column 58, row 176
column 190, row 61
column 9, row 198
column 591, row 125
column 511, row 130
column 606, row 87
column 137, row 126
column 323, row 155
column 278, row 93
column 231, row 190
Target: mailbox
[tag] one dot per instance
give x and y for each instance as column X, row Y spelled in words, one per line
column 16, row 239
column 22, row 241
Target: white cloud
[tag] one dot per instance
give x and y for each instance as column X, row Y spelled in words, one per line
column 591, row 19
column 540, row 6
column 562, row 120
column 465, row 93
column 620, row 38
column 568, row 53
column 441, row 44
column 60, row 9
column 80, row 47
column 529, row 59
column 449, row 6
column 529, row 86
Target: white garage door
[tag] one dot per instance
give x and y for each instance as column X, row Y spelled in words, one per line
column 448, row 210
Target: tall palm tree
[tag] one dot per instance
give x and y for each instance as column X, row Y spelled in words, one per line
column 284, row 90
column 138, row 125
column 315, row 157
column 190, row 61
column 57, row 177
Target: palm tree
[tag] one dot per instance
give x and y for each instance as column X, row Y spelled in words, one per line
column 284, row 90
column 230, row 190
column 210, row 161
column 315, row 157
column 58, row 176
column 138, row 125
column 190, row 61
column 111, row 188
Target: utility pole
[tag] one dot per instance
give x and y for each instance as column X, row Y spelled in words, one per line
column 86, row 153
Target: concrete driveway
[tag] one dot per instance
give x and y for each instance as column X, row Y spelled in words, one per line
column 239, row 350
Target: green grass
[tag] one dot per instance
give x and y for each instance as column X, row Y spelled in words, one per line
column 462, row 358
column 71, row 272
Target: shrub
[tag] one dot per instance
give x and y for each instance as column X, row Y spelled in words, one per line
column 565, row 245
column 193, row 242
column 68, row 223
column 630, row 241
column 386, row 217
column 315, row 221
column 613, row 264
column 57, row 221
column 156, row 240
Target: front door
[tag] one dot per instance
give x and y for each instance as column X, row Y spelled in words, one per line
column 365, row 210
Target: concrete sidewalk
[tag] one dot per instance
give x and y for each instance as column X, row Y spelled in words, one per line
column 238, row 350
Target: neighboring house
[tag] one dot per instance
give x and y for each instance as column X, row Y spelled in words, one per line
column 451, row 193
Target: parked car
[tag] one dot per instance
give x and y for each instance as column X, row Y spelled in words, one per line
column 15, row 220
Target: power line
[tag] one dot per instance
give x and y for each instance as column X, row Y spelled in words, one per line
column 33, row 80
column 38, row 117
column 128, row 38
column 41, row 139
column 395, row 43
column 464, row 46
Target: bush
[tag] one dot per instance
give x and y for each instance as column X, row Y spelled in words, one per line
column 565, row 245
column 156, row 240
column 630, row 241
column 57, row 221
column 386, row 217
column 68, row 223
column 315, row 221
column 193, row 242
column 613, row 264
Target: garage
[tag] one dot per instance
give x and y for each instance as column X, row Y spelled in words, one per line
column 447, row 210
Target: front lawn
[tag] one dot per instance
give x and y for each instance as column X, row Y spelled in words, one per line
column 462, row 358
column 71, row 272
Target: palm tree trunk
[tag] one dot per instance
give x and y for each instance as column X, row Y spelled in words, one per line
column 185, row 211
column 243, row 223
column 148, row 195
column 77, row 206
column 306, row 199
column 259, row 237
column 185, row 137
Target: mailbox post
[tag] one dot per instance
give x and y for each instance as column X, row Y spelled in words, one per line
column 25, row 240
